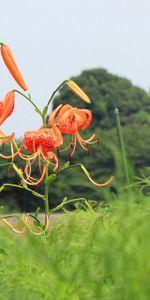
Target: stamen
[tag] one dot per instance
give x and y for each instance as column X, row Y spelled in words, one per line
column 28, row 173
column 74, row 143
column 27, row 157
column 67, row 147
column 12, row 151
column 81, row 141
column 9, row 156
column 27, row 170
column 88, row 141
column 38, row 181
column 91, row 138
column 39, row 163
column 51, row 155
column 56, row 163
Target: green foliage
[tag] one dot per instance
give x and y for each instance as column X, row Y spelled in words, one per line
column 106, row 92
column 104, row 255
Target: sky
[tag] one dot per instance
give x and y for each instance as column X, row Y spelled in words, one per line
column 53, row 40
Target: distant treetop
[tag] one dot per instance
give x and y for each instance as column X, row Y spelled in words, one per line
column 108, row 91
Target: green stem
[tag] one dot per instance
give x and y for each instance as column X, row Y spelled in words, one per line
column 60, row 206
column 29, row 99
column 121, row 143
column 44, row 120
column 46, row 195
column 5, row 185
column 53, row 94
column 10, row 216
column 70, row 167
column 4, row 137
column 10, row 185
column 5, row 165
column 44, row 112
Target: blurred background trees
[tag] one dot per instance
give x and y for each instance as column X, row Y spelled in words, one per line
column 106, row 91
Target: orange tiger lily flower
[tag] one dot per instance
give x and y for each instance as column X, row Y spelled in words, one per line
column 40, row 143
column 12, row 66
column 7, row 106
column 70, row 120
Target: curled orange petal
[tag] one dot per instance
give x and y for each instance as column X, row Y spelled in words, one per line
column 52, row 155
column 1, row 108
column 36, row 181
column 51, row 120
column 8, row 106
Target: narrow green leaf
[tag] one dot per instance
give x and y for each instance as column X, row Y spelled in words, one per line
column 17, row 170
column 37, row 212
column 1, row 209
column 85, row 170
column 2, row 188
column 65, row 199
column 5, row 165
column 38, row 111
column 51, row 178
column 15, row 145
column 44, row 112
column 66, row 165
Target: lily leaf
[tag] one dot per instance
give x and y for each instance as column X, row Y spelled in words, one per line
column 5, row 165
column 38, row 111
column 51, row 178
column 37, row 212
column 44, row 112
column 66, row 165
column 1, row 209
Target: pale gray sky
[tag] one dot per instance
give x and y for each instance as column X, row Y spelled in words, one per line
column 53, row 40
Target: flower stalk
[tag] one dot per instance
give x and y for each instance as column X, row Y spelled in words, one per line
column 122, row 146
column 40, row 146
column 29, row 99
column 46, row 199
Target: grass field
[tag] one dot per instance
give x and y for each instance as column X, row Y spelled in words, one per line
column 85, row 256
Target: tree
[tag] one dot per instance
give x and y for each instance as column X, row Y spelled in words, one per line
column 106, row 91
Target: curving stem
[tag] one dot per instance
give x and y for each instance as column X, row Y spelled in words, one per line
column 58, row 88
column 29, row 99
column 46, row 202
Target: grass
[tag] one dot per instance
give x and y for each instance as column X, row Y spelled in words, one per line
column 85, row 256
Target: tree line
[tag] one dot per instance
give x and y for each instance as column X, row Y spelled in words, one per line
column 107, row 91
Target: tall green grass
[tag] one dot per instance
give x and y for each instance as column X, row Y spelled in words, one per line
column 85, row 256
